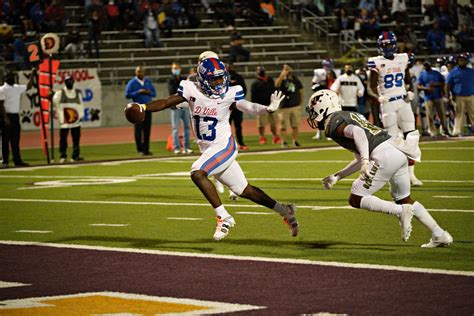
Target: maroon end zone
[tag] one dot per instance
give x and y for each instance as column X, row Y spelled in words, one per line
column 283, row 288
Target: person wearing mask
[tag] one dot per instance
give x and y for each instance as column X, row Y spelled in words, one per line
column 431, row 82
column 460, row 84
column 179, row 113
column 289, row 113
column 70, row 111
column 236, row 116
column 348, row 86
column 262, row 88
column 141, row 90
column 11, row 130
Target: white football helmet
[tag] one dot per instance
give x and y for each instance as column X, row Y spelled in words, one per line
column 207, row 54
column 321, row 104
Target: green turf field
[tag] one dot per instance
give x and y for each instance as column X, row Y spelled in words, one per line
column 159, row 190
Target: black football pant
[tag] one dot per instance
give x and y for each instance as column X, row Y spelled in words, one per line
column 76, row 137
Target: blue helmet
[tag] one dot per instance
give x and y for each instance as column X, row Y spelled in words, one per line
column 452, row 59
column 387, row 44
column 328, row 63
column 213, row 77
column 441, row 61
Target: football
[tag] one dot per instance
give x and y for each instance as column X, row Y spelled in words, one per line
column 134, row 113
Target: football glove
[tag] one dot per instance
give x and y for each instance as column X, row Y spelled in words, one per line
column 275, row 100
column 364, row 169
column 330, row 181
column 382, row 99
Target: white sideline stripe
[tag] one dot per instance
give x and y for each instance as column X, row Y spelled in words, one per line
column 311, row 207
column 185, row 218
column 255, row 213
column 244, row 258
column 33, row 231
column 447, row 148
column 452, row 196
column 151, row 177
column 325, row 161
column 109, row 225
column 5, row 285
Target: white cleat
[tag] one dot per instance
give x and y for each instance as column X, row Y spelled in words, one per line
column 233, row 196
column 317, row 135
column 405, row 221
column 415, row 181
column 290, row 219
column 444, row 240
column 223, row 227
column 219, row 186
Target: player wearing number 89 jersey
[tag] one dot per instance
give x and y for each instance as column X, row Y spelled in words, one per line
column 211, row 101
column 389, row 77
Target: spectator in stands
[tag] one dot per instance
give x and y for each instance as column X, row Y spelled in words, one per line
column 20, row 53
column 36, row 13
column 11, row 132
column 165, row 18
column 224, row 11
column 54, row 16
column 464, row 38
column 349, row 87
column 345, row 25
column 180, row 113
column 431, row 82
column 365, row 26
column 113, row 15
column 407, row 41
column 151, row 29
column 436, row 39
column 96, row 16
column 399, row 11
column 368, row 5
column 460, row 85
column 74, row 46
column 268, row 9
column 443, row 19
column 237, row 49
column 290, row 108
column 70, row 110
column 141, row 90
column 6, row 37
column 236, row 116
column 128, row 15
column 262, row 88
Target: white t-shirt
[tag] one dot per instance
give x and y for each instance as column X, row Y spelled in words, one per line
column 210, row 116
column 2, row 95
column 348, row 87
column 391, row 72
column 12, row 97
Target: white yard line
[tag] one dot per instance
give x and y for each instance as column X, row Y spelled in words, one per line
column 185, row 218
column 255, row 213
column 452, row 196
column 310, row 207
column 109, row 225
column 244, row 258
column 34, row 231
column 5, row 285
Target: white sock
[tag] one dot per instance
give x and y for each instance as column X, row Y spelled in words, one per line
column 426, row 219
column 411, row 171
column 221, row 212
column 280, row 208
column 374, row 204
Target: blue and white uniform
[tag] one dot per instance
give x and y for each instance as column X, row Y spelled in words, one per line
column 210, row 118
column 396, row 112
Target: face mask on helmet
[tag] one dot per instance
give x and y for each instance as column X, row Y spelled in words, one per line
column 387, row 44
column 213, row 77
column 321, row 104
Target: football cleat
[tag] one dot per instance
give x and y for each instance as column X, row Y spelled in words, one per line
column 289, row 217
column 233, row 196
column 405, row 218
column 444, row 240
column 223, row 227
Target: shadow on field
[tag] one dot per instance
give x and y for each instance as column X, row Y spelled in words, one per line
column 208, row 245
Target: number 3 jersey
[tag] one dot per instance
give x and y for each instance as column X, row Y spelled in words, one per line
column 375, row 135
column 391, row 74
column 210, row 116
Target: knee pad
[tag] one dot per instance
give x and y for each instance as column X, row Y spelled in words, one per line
column 389, row 121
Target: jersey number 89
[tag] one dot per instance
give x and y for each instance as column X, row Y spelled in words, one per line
column 390, row 79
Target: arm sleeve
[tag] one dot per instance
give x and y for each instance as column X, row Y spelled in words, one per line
column 240, row 94
column 183, row 89
column 21, row 88
column 360, row 139
column 129, row 91
column 371, row 65
column 251, row 108
column 351, row 168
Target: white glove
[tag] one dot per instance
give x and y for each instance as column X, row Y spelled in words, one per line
column 275, row 100
column 360, row 93
column 330, row 181
column 364, row 169
column 410, row 95
column 382, row 99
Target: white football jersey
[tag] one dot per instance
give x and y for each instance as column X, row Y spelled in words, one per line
column 391, row 81
column 210, row 116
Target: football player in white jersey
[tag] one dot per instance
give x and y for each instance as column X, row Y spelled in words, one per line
column 389, row 75
column 211, row 100
column 378, row 160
